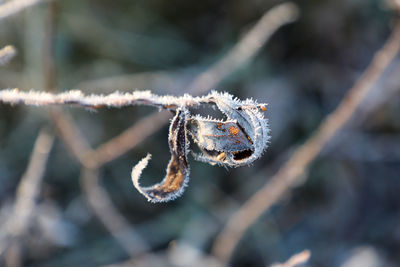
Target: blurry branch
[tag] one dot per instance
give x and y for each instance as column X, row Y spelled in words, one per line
column 131, row 137
column 395, row 4
column 295, row 167
column 6, row 54
column 28, row 189
column 15, row 6
column 246, row 48
column 96, row 196
column 295, row 260
column 70, row 135
column 118, row 226
column 378, row 98
column 252, row 42
column 241, row 53
column 27, row 193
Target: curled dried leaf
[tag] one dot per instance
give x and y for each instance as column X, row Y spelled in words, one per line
column 237, row 141
column 177, row 177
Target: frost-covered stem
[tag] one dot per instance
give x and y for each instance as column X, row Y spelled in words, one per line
column 116, row 100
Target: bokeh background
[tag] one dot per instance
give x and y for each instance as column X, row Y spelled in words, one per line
column 345, row 209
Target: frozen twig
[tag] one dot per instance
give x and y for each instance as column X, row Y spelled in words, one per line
column 116, row 100
column 6, row 54
column 295, row 260
column 288, row 174
column 15, row 6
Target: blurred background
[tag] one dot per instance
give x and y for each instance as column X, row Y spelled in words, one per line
column 345, row 209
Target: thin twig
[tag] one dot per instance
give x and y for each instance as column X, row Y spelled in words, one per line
column 6, row 54
column 15, row 6
column 27, row 193
column 29, row 186
column 246, row 48
column 115, row 100
column 295, row 260
column 281, row 182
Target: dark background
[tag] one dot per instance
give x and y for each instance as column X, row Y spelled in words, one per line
column 346, row 207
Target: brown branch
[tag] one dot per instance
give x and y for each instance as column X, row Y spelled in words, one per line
column 288, row 174
column 75, row 143
column 27, row 193
column 97, row 198
column 104, row 209
column 127, row 140
column 246, row 48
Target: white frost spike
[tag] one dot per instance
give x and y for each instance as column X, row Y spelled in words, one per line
column 137, row 171
column 177, row 177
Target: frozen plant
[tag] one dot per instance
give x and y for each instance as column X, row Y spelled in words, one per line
column 237, row 140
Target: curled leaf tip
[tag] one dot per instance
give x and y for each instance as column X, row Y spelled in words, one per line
column 176, row 179
column 137, row 171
